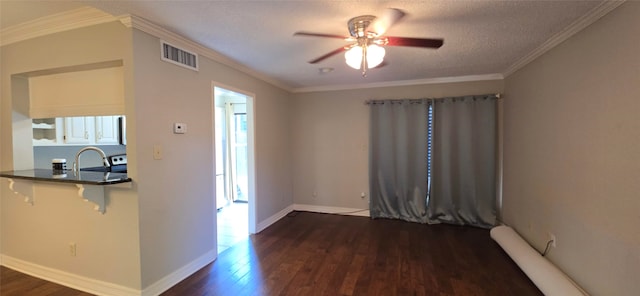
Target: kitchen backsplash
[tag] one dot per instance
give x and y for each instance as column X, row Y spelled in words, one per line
column 44, row 154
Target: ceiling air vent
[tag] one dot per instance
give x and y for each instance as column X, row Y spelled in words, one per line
column 179, row 56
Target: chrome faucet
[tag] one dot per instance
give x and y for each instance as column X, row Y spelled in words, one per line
column 76, row 164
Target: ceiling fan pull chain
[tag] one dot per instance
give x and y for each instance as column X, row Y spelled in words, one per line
column 364, row 61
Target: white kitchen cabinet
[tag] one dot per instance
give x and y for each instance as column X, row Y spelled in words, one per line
column 79, row 130
column 82, row 130
column 106, row 132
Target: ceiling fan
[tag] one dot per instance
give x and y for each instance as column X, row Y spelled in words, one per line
column 367, row 34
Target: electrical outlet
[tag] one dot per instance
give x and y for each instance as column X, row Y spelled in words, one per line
column 315, row 194
column 72, row 249
column 552, row 237
column 363, row 195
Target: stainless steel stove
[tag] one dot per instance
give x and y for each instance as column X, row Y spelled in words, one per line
column 118, row 163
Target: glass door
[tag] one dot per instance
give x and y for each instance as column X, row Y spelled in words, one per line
column 240, row 147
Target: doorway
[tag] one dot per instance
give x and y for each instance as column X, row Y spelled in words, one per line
column 234, row 166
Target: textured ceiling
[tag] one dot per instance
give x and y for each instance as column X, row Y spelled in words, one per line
column 481, row 37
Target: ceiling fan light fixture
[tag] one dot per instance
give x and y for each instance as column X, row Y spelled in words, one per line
column 374, row 56
column 353, row 57
column 366, row 31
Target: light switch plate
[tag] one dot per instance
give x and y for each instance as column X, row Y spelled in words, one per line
column 157, row 152
column 179, row 128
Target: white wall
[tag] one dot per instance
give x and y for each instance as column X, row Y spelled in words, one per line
column 177, row 210
column 571, row 153
column 107, row 245
column 330, row 139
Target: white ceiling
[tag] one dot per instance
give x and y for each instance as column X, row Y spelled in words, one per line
column 480, row 37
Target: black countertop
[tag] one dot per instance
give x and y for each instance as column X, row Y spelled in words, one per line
column 68, row 176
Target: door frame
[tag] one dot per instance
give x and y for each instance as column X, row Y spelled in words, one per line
column 251, row 150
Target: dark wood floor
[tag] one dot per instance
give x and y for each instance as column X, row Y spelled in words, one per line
column 13, row 283
column 320, row 254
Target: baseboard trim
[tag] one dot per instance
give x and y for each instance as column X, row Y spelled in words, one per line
column 332, row 210
column 177, row 276
column 310, row 208
column 67, row 279
column 273, row 219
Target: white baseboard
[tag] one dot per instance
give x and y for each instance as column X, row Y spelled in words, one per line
column 332, row 210
column 97, row 287
column 273, row 219
column 177, row 276
column 310, row 208
column 70, row 280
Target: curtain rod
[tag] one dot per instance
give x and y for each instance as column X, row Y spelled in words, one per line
column 369, row 102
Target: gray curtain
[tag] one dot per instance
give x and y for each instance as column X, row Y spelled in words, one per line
column 398, row 159
column 463, row 166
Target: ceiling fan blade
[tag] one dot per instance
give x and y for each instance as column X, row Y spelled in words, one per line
column 383, row 23
column 415, row 42
column 335, row 52
column 320, row 35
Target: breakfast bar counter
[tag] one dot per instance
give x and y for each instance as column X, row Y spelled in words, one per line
column 90, row 185
column 68, row 176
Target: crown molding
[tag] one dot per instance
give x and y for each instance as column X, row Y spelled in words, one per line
column 132, row 21
column 454, row 79
column 575, row 27
column 148, row 27
column 59, row 22
column 88, row 16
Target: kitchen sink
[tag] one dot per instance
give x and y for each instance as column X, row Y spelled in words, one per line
column 111, row 169
column 96, row 169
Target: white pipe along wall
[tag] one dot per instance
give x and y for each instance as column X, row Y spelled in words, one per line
column 546, row 276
